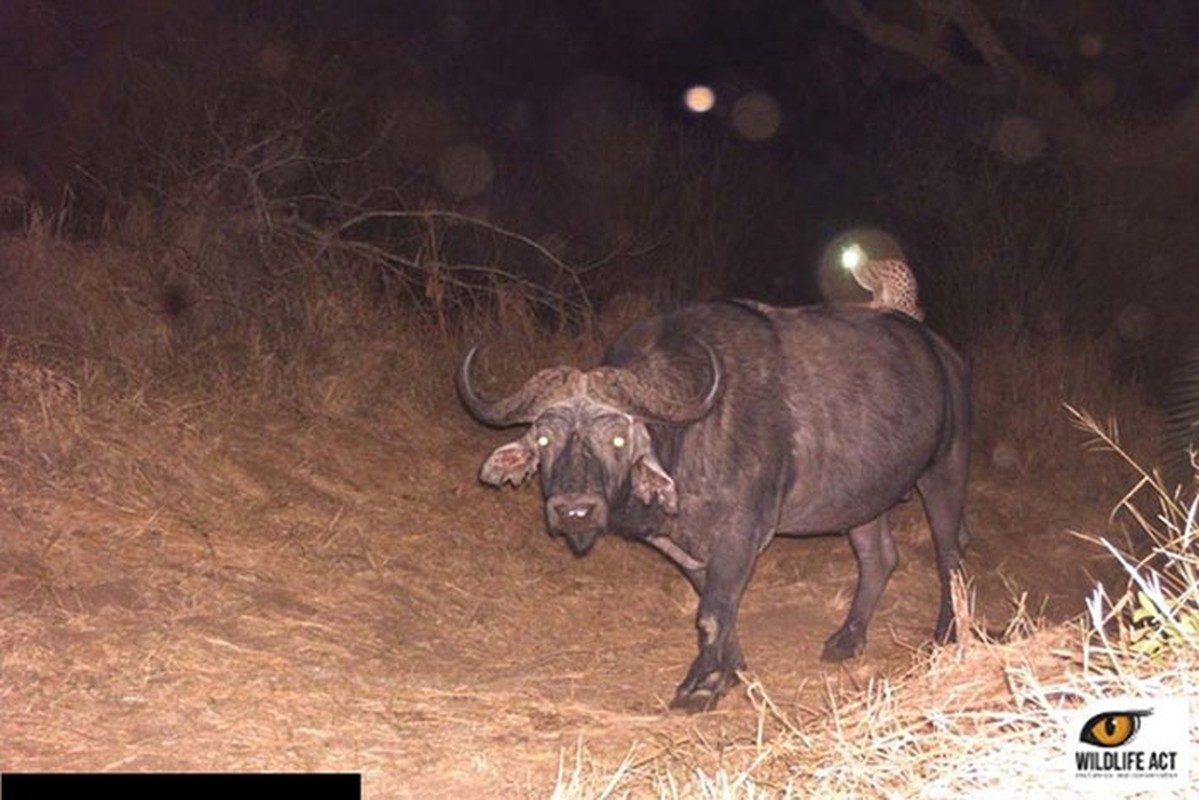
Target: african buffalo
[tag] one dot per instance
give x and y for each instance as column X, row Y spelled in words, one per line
column 708, row 430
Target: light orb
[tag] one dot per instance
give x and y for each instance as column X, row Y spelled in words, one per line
column 700, row 99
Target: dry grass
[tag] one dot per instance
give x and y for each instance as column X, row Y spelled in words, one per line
column 990, row 721
column 251, row 538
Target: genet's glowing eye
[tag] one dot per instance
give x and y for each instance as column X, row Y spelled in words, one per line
column 618, row 441
column 543, row 441
column 853, row 257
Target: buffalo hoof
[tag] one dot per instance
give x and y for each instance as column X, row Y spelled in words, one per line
column 846, row 643
column 696, row 702
column 704, row 696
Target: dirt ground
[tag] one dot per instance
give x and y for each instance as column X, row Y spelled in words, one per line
column 191, row 587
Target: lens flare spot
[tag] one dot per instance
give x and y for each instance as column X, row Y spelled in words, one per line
column 699, row 98
column 465, row 170
column 1018, row 139
column 273, row 60
column 756, row 116
column 1091, row 44
column 1135, row 322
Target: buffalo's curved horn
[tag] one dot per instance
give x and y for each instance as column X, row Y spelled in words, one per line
column 632, row 393
column 520, row 407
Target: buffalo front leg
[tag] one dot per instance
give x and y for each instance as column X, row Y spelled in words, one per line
column 875, row 551
column 714, row 670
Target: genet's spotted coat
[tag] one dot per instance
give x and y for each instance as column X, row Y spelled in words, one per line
column 891, row 283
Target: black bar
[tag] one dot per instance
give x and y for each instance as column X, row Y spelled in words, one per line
column 174, row 785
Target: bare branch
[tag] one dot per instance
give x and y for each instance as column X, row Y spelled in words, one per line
column 982, row 36
column 922, row 47
column 454, row 216
column 1039, row 94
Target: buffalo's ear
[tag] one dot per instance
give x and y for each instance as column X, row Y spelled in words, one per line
column 652, row 484
column 512, row 463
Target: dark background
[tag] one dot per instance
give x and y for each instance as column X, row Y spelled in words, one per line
column 1039, row 157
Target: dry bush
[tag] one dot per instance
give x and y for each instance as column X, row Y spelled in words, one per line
column 221, row 290
column 993, row 243
column 249, row 172
column 219, row 307
column 100, row 304
column 1008, row 255
column 213, row 153
column 686, row 228
column 1021, row 380
column 1180, row 443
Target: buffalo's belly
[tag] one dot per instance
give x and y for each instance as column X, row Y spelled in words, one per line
column 825, row 508
column 806, row 522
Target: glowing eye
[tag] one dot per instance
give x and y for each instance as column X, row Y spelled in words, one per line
column 543, row 441
column 618, row 441
column 852, row 257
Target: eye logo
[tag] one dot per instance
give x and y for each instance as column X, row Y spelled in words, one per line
column 1112, row 728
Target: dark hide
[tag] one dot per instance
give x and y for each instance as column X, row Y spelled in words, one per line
column 815, row 420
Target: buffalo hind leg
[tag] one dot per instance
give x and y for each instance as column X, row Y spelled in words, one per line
column 944, row 496
column 875, row 551
column 714, row 670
